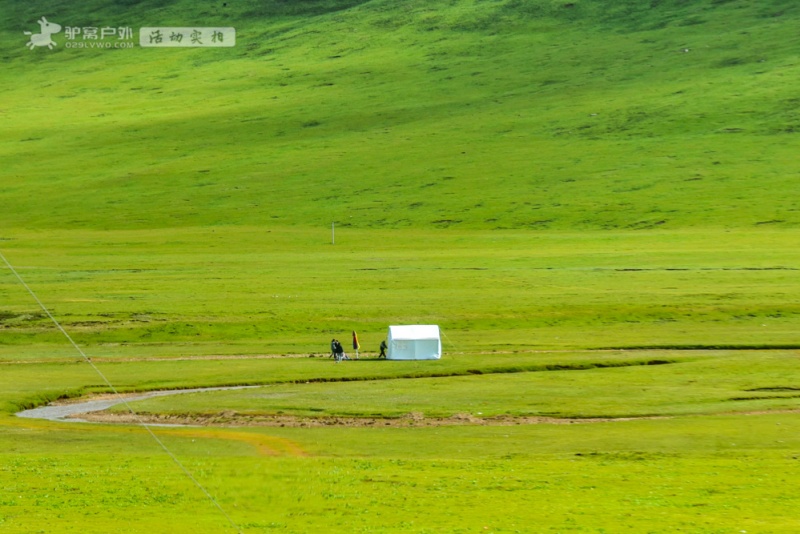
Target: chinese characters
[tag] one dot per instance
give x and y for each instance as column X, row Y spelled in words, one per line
column 187, row 37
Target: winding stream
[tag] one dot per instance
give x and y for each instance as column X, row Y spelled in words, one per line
column 67, row 412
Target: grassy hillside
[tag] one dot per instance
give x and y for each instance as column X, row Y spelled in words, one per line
column 475, row 114
column 577, row 128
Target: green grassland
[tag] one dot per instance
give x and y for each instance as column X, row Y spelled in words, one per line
column 607, row 390
column 723, row 455
column 247, row 290
column 573, row 191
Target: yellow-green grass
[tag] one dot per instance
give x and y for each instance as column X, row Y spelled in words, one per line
column 711, row 474
column 229, row 290
column 528, row 174
column 704, row 473
column 29, row 383
column 729, row 382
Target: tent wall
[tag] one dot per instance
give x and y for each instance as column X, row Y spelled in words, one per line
column 414, row 342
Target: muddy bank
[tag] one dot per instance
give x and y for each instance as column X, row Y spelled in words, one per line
column 233, row 419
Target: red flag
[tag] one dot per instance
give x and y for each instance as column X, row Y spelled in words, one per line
column 356, row 346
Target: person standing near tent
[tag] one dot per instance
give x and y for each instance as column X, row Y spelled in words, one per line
column 384, row 346
column 356, row 345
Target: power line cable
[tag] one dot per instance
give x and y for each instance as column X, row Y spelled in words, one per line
column 448, row 339
column 138, row 420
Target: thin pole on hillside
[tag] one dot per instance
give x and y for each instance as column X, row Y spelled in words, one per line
column 333, row 233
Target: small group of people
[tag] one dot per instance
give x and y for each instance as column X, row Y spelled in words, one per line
column 337, row 351
column 338, row 354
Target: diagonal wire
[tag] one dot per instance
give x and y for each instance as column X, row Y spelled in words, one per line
column 138, row 420
column 448, row 339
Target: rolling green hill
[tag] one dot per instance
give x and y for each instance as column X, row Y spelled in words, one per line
column 609, row 174
column 535, row 114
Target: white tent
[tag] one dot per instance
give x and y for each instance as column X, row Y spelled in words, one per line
column 414, row 342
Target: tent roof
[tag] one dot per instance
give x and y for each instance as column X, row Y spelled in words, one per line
column 415, row 331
